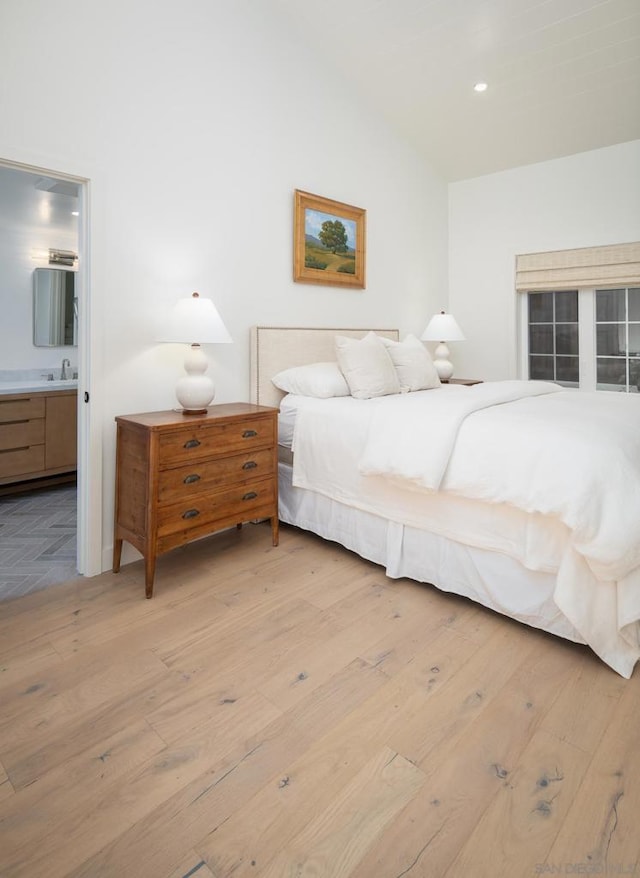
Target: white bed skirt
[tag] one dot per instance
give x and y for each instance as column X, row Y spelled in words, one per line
column 491, row 579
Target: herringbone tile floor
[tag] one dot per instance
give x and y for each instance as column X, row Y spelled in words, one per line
column 37, row 540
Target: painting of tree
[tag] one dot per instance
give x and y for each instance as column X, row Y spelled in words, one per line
column 329, row 242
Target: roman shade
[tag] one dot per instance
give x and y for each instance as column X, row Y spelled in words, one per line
column 615, row 265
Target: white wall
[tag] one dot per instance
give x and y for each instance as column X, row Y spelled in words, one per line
column 194, row 122
column 581, row 201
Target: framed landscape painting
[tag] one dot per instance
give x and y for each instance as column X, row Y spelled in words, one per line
column 329, row 242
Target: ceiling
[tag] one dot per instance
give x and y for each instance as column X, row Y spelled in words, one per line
column 30, row 201
column 563, row 75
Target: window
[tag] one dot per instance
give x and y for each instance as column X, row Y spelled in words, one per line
column 588, row 338
column 618, row 339
column 580, row 316
column 553, row 337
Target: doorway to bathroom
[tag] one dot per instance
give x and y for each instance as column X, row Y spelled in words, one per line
column 42, row 235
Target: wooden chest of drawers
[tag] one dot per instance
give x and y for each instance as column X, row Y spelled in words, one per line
column 181, row 477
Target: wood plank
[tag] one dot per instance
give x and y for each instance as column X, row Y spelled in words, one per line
column 516, row 832
column 283, row 807
column 26, row 659
column 52, row 700
column 80, row 782
column 391, row 654
column 34, row 758
column 465, row 771
column 334, row 842
column 86, row 830
column 157, row 842
column 391, row 616
column 461, row 692
column 601, row 829
column 192, row 866
column 6, row 789
column 217, row 754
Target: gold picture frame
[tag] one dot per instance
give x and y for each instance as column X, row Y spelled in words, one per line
column 329, row 242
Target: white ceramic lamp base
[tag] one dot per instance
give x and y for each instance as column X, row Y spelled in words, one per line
column 196, row 390
column 444, row 366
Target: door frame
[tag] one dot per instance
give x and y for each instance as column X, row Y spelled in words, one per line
column 89, row 491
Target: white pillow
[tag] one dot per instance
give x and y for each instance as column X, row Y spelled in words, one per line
column 321, row 380
column 413, row 363
column 367, row 366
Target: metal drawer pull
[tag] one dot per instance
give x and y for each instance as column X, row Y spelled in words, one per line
column 250, row 496
column 191, row 513
column 192, row 443
column 189, row 480
column 249, row 433
column 250, row 464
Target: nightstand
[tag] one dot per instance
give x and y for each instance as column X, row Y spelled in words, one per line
column 181, row 477
column 468, row 382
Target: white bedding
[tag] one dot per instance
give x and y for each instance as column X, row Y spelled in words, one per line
column 559, row 470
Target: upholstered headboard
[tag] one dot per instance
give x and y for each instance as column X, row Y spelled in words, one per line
column 274, row 348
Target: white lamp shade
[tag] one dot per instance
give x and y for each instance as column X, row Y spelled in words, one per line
column 195, row 320
column 442, row 327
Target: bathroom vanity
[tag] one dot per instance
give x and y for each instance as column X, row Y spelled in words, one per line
column 38, row 433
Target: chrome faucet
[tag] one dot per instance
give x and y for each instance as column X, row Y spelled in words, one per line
column 63, row 371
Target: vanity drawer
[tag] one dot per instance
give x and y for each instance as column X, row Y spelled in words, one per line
column 21, row 409
column 20, row 461
column 21, row 434
column 240, row 503
column 189, row 481
column 183, row 445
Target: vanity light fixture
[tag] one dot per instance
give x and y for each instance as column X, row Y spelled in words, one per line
column 442, row 328
column 195, row 321
column 62, row 257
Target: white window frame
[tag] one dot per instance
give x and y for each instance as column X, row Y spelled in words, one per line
column 587, row 329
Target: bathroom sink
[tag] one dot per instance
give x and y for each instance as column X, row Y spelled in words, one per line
column 35, row 385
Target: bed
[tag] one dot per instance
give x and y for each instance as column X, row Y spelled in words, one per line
column 522, row 496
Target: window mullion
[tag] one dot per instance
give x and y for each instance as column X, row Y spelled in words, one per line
column 587, row 338
column 627, row 371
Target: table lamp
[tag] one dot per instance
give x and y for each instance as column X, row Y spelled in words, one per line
column 195, row 321
column 442, row 328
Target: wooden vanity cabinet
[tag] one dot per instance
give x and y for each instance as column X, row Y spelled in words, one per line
column 60, row 431
column 38, row 436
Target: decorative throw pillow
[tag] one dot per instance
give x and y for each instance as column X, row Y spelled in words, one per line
column 321, row 380
column 366, row 366
column 413, row 364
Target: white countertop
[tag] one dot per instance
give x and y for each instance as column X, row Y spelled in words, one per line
column 36, row 385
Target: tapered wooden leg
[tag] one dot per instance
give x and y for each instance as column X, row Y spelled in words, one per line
column 149, row 573
column 275, row 530
column 117, row 555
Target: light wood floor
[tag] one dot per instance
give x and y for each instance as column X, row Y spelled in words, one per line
column 293, row 712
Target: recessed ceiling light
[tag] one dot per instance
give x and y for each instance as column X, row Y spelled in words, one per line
column 75, row 213
column 480, row 86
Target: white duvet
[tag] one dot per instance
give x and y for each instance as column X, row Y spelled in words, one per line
column 568, row 455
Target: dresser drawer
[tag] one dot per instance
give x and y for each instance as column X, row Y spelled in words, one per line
column 215, row 439
column 238, row 504
column 21, row 409
column 21, row 434
column 21, row 461
column 181, row 483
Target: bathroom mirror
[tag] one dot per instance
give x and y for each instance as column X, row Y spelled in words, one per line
column 54, row 308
